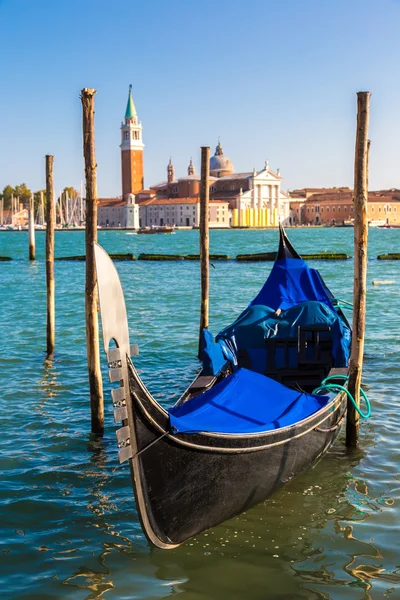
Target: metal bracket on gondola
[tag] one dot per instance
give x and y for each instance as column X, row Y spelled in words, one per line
column 120, row 414
column 113, row 355
column 115, row 374
column 134, row 350
column 124, row 443
column 125, row 454
column 123, row 435
column 118, row 397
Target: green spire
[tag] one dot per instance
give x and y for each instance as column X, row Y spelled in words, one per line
column 130, row 107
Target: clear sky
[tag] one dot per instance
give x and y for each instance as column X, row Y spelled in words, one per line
column 274, row 79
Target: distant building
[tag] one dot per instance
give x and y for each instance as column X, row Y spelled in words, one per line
column 254, row 198
column 335, row 207
column 183, row 212
column 115, row 212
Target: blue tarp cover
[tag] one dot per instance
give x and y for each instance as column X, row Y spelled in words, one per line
column 290, row 282
column 257, row 323
column 300, row 293
column 245, row 402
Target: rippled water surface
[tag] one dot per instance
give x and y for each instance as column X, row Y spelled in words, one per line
column 68, row 522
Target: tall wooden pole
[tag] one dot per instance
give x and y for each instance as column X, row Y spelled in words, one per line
column 31, row 229
column 92, row 326
column 204, row 240
column 50, row 222
column 360, row 264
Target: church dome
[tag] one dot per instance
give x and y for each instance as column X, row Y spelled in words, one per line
column 220, row 165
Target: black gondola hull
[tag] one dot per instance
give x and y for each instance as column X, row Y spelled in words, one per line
column 193, row 482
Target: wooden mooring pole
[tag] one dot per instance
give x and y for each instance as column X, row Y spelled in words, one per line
column 50, row 222
column 360, row 264
column 92, row 326
column 31, row 229
column 204, row 240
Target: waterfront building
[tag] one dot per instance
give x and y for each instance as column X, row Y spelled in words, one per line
column 14, row 218
column 335, row 207
column 254, row 198
column 117, row 212
column 182, row 212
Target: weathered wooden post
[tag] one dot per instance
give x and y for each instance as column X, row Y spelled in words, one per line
column 31, row 229
column 360, row 264
column 50, row 222
column 204, row 240
column 92, row 326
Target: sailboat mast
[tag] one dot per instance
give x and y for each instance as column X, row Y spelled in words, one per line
column 41, row 209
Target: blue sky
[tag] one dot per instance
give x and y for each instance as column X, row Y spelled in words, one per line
column 274, row 79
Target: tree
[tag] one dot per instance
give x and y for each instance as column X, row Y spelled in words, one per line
column 23, row 193
column 71, row 191
column 8, row 192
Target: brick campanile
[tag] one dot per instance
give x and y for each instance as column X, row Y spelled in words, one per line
column 131, row 151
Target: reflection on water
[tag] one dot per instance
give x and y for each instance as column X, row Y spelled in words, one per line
column 68, row 521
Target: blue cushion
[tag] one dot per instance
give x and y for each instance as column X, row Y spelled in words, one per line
column 245, row 402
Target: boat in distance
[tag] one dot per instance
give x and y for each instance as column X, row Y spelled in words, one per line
column 249, row 422
column 157, row 229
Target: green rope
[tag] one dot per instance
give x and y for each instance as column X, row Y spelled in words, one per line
column 336, row 387
column 341, row 303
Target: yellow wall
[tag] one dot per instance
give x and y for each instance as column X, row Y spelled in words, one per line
column 251, row 217
column 255, row 217
column 248, row 217
column 263, row 217
column 235, row 217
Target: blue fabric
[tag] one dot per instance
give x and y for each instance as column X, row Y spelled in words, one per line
column 290, row 282
column 247, row 335
column 212, row 354
column 244, row 402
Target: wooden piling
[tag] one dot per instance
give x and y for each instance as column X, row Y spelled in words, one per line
column 31, row 229
column 92, row 327
column 204, row 240
column 360, row 264
column 50, row 284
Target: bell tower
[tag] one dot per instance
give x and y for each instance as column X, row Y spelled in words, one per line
column 170, row 171
column 131, row 151
column 191, row 168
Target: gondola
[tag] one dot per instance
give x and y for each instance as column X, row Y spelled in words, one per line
column 249, row 422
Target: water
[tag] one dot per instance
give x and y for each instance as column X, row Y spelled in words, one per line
column 68, row 523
